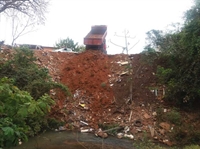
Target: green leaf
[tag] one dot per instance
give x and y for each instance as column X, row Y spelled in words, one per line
column 8, row 131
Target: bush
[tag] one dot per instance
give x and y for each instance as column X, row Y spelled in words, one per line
column 24, row 99
column 27, row 75
column 21, row 115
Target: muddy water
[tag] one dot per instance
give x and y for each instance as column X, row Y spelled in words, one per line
column 74, row 140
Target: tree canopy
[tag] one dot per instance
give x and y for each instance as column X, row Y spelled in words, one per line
column 180, row 50
column 69, row 43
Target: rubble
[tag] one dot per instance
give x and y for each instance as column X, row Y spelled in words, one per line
column 100, row 87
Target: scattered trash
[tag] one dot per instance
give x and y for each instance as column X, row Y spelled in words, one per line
column 84, row 123
column 87, row 130
column 126, row 129
column 138, row 123
column 101, row 133
column 120, row 135
column 124, row 63
column 129, row 136
column 152, row 131
column 20, row 142
column 61, row 128
column 124, row 73
column 154, row 113
column 111, row 84
column 130, row 116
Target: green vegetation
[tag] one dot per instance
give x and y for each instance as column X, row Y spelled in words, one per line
column 69, row 43
column 179, row 57
column 177, row 54
column 25, row 102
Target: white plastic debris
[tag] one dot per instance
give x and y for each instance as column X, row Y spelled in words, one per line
column 129, row 136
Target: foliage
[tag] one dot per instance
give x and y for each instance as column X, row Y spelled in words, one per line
column 69, row 43
column 192, row 147
column 180, row 48
column 24, row 99
column 146, row 143
column 185, row 134
column 27, row 75
column 21, row 115
column 174, row 117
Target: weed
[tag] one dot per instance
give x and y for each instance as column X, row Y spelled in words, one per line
column 192, row 147
column 174, row 117
column 109, row 126
column 103, row 84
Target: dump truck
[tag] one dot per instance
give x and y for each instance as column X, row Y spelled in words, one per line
column 96, row 38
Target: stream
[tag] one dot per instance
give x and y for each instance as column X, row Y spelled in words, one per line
column 74, row 140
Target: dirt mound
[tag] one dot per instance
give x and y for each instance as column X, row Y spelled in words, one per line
column 88, row 73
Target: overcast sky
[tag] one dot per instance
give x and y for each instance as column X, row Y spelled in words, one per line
column 74, row 18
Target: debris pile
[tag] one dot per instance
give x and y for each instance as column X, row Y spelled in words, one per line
column 100, row 87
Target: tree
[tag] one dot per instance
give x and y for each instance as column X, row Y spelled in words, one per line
column 126, row 48
column 21, row 25
column 69, row 43
column 181, row 53
column 126, row 37
column 24, row 14
column 31, row 8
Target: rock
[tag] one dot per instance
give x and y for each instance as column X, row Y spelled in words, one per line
column 167, row 142
column 161, row 131
column 165, row 126
column 154, row 113
column 147, row 116
column 102, row 134
column 120, row 135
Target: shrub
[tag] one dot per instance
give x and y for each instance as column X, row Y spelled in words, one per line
column 21, row 115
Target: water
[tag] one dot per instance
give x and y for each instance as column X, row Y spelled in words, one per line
column 74, row 140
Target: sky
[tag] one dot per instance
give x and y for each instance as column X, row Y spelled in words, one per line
column 74, row 18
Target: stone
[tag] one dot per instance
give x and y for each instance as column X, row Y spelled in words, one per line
column 120, row 135
column 161, row 131
column 167, row 142
column 154, row 113
column 165, row 126
column 102, row 134
column 147, row 116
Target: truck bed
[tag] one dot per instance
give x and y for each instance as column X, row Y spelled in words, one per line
column 96, row 36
